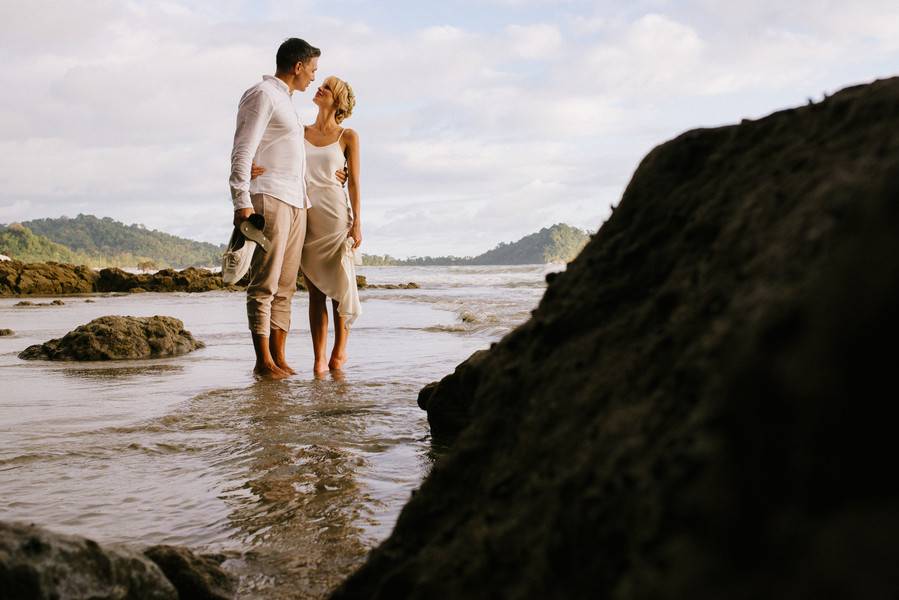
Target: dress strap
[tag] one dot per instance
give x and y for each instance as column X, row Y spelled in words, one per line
column 341, row 134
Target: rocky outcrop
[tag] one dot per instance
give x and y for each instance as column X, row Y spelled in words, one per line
column 6, row 332
column 166, row 280
column 448, row 401
column 700, row 407
column 45, row 279
column 36, row 563
column 118, row 338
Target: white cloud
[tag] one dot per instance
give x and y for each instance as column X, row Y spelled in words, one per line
column 587, row 25
column 534, row 41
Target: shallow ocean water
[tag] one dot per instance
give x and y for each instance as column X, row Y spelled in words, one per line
column 294, row 480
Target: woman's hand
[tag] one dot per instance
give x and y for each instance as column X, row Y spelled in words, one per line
column 355, row 232
column 341, row 175
column 256, row 171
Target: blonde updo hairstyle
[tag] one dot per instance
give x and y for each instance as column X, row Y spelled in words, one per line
column 344, row 98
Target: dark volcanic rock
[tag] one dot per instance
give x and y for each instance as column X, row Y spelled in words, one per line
column 37, row 564
column 166, row 280
column 6, row 332
column 29, row 303
column 702, row 404
column 195, row 577
column 116, row 338
column 448, row 401
column 22, row 279
column 394, row 286
column 17, row 278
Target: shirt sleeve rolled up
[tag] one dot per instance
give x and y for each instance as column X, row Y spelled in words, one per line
column 253, row 114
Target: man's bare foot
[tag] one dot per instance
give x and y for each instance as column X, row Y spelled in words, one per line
column 269, row 371
column 320, row 367
column 336, row 362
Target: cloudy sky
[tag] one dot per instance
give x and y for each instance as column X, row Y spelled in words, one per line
column 480, row 120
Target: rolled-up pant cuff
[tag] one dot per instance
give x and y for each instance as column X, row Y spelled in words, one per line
column 273, row 274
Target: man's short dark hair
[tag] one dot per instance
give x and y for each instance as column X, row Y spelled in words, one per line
column 292, row 51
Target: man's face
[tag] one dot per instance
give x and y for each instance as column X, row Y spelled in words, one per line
column 305, row 73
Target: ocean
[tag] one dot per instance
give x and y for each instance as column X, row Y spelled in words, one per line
column 294, row 480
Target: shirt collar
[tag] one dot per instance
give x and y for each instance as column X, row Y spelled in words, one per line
column 279, row 83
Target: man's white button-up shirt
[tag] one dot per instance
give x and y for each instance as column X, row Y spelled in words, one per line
column 268, row 133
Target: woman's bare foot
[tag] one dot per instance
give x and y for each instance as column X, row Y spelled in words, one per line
column 285, row 367
column 320, row 367
column 336, row 362
column 270, row 371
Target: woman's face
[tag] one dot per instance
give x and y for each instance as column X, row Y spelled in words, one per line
column 324, row 96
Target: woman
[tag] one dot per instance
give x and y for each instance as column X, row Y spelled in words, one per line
column 333, row 226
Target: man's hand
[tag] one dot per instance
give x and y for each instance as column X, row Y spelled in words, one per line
column 342, row 175
column 241, row 215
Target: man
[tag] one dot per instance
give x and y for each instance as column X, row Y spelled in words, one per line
column 269, row 133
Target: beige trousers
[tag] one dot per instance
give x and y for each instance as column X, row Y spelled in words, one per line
column 273, row 274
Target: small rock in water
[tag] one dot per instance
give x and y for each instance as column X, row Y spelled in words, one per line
column 89, row 301
column 391, row 286
column 118, row 338
column 6, row 332
column 27, row 303
column 194, row 576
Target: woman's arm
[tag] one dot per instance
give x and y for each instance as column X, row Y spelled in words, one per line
column 351, row 152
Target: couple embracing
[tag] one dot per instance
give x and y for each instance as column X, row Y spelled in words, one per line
column 287, row 188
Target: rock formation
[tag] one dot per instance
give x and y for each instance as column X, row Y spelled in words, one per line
column 700, row 407
column 166, row 280
column 45, row 279
column 36, row 563
column 118, row 338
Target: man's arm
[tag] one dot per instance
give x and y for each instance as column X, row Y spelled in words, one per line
column 253, row 114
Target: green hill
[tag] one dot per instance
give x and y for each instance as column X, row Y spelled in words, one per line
column 559, row 243
column 106, row 242
column 20, row 243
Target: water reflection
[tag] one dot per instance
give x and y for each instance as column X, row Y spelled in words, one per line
column 299, row 506
column 111, row 370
